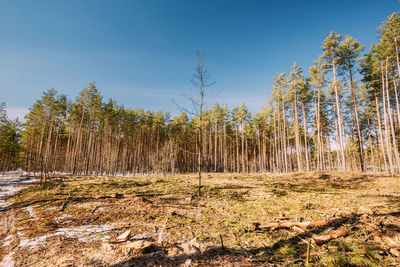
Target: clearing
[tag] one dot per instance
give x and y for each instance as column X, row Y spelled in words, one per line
column 240, row 220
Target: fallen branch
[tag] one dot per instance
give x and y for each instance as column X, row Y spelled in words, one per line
column 297, row 225
column 300, row 225
column 321, row 239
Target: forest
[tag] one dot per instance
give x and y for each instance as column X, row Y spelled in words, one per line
column 341, row 114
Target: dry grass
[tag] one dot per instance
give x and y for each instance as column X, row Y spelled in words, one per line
column 230, row 203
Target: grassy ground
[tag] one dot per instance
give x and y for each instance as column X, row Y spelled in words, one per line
column 229, row 205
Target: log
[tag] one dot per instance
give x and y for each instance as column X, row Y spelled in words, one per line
column 321, row 239
column 302, row 225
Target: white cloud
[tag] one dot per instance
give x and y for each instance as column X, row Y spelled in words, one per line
column 17, row 112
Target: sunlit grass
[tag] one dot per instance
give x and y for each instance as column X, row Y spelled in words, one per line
column 228, row 205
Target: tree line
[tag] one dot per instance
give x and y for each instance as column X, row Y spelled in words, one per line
column 343, row 113
column 10, row 145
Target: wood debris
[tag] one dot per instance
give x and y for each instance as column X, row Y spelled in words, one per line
column 286, row 225
column 388, row 240
column 254, row 226
column 125, row 236
column 298, row 225
column 298, row 229
column 137, row 245
column 116, row 195
column 160, row 234
column 321, row 239
column 142, row 246
column 95, row 209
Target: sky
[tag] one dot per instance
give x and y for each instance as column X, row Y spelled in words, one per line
column 142, row 53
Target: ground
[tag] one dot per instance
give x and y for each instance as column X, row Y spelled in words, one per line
column 73, row 221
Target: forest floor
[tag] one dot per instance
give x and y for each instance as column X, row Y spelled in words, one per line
column 76, row 221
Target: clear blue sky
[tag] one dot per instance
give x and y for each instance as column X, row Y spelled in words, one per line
column 141, row 53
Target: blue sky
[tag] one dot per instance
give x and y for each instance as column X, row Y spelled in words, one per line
column 141, row 53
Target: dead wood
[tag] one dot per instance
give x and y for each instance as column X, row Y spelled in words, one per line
column 308, row 252
column 125, row 235
column 160, row 234
column 64, row 205
column 95, row 209
column 388, row 240
column 140, row 245
column 301, row 225
column 116, row 195
column 321, row 239
column 298, row 229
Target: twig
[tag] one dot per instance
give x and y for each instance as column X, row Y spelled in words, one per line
column 308, row 251
column 64, row 205
column 94, row 210
column 307, row 242
column 160, row 234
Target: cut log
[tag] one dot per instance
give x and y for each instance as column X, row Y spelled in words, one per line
column 321, row 239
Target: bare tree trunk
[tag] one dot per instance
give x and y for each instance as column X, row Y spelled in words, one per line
column 338, row 149
column 387, row 138
column 378, row 115
column 285, row 156
column 396, row 152
column 340, row 122
column 305, row 138
column 297, row 135
column 360, row 142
